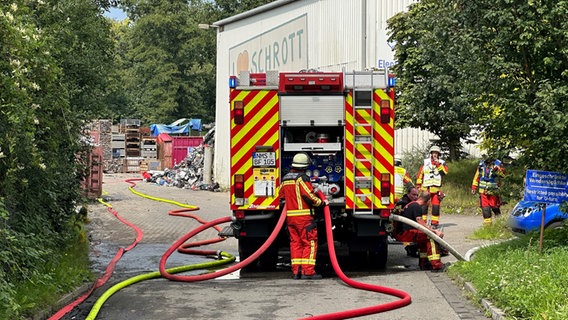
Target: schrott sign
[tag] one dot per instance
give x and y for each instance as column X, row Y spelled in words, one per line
column 284, row 47
column 543, row 186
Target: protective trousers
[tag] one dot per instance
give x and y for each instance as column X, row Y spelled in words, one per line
column 428, row 250
column 435, row 218
column 303, row 244
column 489, row 203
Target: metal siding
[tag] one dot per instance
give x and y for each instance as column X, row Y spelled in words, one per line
column 412, row 140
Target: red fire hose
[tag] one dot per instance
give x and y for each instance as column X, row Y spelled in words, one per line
column 182, row 247
column 404, row 297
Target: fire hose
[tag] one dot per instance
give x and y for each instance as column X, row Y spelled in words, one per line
column 404, row 297
column 430, row 234
column 404, row 300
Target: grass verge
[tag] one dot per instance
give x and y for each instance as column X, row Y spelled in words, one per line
column 520, row 278
column 57, row 277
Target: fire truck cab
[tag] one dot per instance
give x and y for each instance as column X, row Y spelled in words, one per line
column 345, row 123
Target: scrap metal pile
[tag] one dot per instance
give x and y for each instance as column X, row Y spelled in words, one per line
column 189, row 173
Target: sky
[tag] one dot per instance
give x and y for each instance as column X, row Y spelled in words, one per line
column 116, row 14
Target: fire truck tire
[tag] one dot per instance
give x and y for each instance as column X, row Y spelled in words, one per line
column 378, row 256
column 369, row 252
column 266, row 262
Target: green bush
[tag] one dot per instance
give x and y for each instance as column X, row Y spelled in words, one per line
column 520, row 279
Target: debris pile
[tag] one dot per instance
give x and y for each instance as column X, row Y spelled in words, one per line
column 188, row 174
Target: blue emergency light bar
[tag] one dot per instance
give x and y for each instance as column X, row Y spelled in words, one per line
column 232, row 82
column 392, row 80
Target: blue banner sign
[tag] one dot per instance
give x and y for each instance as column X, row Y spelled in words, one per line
column 543, row 186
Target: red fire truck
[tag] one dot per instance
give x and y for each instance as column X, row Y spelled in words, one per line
column 344, row 121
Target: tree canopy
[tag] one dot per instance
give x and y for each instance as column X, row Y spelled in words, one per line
column 498, row 67
column 168, row 63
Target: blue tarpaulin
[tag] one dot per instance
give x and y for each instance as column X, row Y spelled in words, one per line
column 176, row 127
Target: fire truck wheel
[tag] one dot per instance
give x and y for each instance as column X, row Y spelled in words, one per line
column 266, row 262
column 378, row 256
column 369, row 252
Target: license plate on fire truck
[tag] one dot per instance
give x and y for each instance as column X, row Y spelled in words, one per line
column 264, row 159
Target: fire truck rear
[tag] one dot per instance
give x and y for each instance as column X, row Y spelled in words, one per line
column 344, row 122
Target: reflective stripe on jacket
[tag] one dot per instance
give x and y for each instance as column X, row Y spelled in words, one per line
column 298, row 192
column 486, row 179
column 401, row 179
column 430, row 175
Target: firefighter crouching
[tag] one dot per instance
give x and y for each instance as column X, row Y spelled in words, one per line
column 429, row 179
column 428, row 250
column 298, row 193
column 486, row 182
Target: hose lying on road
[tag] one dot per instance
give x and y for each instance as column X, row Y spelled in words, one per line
column 404, row 300
column 109, row 270
column 404, row 297
column 156, row 274
column 431, row 234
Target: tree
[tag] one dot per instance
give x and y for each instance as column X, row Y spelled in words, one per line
column 430, row 94
column 505, row 73
column 54, row 60
column 228, row 8
column 520, row 77
column 170, row 62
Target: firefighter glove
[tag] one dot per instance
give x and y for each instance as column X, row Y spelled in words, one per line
column 312, row 225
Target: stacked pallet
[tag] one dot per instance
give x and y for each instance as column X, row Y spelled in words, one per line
column 131, row 129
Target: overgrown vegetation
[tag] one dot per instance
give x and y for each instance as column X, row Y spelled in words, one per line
column 520, row 279
column 55, row 60
column 62, row 64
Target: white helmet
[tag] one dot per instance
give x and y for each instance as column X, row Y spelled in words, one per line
column 397, row 161
column 301, row 161
column 435, row 149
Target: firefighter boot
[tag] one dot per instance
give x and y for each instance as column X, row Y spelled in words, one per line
column 424, row 264
column 487, row 220
column 298, row 275
column 441, row 267
column 435, row 216
column 496, row 211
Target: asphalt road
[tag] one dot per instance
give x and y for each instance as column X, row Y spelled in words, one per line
column 269, row 295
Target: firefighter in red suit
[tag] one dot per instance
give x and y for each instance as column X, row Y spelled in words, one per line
column 300, row 199
column 430, row 179
column 486, row 182
column 428, row 249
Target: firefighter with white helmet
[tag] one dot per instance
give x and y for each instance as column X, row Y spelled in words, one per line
column 300, row 199
column 429, row 178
